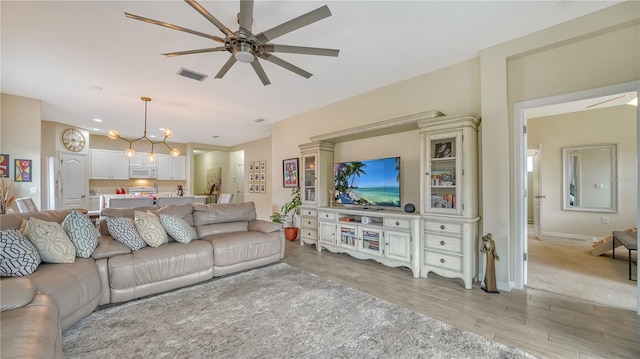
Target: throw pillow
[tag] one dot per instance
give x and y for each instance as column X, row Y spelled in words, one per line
column 81, row 232
column 53, row 244
column 18, row 256
column 178, row 228
column 150, row 229
column 124, row 231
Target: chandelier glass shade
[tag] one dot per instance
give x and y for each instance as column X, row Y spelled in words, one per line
column 130, row 152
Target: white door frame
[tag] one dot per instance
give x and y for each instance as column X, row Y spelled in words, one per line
column 520, row 165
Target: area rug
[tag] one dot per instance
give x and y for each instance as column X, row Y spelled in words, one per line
column 567, row 267
column 277, row 311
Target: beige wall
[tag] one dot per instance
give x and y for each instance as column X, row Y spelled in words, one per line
column 260, row 150
column 541, row 65
column 453, row 89
column 603, row 126
column 20, row 139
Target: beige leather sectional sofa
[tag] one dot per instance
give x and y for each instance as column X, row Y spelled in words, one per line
column 37, row 308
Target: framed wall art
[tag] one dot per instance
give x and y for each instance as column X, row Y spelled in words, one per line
column 290, row 173
column 23, row 171
column 4, row 165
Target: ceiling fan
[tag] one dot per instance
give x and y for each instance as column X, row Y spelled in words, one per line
column 246, row 47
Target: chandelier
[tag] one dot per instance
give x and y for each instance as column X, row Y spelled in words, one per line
column 130, row 152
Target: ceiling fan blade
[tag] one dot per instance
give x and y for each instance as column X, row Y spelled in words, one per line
column 260, row 71
column 300, row 50
column 280, row 62
column 294, row 24
column 198, row 51
column 209, row 17
column 227, row 65
column 174, row 27
column 246, row 15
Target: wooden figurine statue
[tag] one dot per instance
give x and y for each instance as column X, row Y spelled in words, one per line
column 489, row 247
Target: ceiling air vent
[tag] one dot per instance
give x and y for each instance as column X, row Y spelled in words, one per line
column 192, row 74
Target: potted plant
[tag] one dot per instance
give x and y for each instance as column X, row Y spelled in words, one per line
column 289, row 211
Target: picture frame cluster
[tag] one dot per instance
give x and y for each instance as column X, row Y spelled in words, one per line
column 257, row 177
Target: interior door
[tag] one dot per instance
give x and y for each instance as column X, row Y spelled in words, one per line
column 240, row 182
column 73, row 187
column 537, row 193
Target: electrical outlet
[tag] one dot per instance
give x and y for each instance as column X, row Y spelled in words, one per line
column 33, row 190
column 605, row 220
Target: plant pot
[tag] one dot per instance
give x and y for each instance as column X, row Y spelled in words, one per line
column 291, row 233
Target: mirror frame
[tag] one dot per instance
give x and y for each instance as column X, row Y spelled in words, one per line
column 613, row 176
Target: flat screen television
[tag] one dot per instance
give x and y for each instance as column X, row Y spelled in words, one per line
column 374, row 183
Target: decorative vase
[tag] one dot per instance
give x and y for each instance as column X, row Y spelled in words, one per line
column 291, row 233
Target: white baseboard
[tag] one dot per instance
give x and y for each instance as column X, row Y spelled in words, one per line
column 578, row 237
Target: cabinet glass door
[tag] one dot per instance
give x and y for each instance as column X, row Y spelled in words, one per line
column 347, row 236
column 309, row 178
column 442, row 192
column 371, row 240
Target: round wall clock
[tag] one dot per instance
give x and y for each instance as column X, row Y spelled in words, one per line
column 73, row 140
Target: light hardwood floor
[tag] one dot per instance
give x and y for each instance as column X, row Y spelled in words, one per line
column 543, row 324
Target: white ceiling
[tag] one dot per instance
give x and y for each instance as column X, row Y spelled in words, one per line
column 86, row 60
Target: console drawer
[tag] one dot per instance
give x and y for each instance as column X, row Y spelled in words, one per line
column 308, row 212
column 397, row 223
column 327, row 215
column 437, row 241
column 442, row 260
column 309, row 233
column 443, row 227
column 309, row 222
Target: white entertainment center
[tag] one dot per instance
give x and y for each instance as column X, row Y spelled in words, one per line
column 442, row 238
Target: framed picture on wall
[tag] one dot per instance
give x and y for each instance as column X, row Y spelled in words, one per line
column 263, row 165
column 290, row 173
column 250, row 187
column 23, row 171
column 263, row 188
column 4, row 165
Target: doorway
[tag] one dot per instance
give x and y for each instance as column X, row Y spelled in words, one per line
column 522, row 111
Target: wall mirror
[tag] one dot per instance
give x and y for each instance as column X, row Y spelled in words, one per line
column 589, row 178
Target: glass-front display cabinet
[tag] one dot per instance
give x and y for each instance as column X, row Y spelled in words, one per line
column 316, row 173
column 309, row 178
column 442, row 194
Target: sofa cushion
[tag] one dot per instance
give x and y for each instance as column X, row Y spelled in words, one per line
column 150, row 229
column 109, row 247
column 233, row 248
column 123, row 230
column 220, row 228
column 184, row 211
column 53, row 244
column 221, row 213
column 15, row 293
column 18, row 256
column 81, row 232
column 178, row 228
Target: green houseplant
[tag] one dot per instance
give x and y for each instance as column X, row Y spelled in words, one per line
column 288, row 213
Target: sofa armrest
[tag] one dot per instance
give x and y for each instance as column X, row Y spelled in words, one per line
column 109, row 247
column 263, row 226
column 15, row 293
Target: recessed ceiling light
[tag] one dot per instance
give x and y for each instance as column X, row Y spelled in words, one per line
column 97, row 120
column 95, row 129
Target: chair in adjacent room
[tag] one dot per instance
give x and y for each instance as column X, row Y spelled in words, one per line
column 225, row 198
column 26, row 205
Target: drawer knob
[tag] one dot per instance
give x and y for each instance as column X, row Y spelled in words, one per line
column 442, row 226
column 397, row 223
column 441, row 260
column 442, row 243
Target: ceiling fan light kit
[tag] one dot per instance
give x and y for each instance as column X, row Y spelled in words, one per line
column 246, row 47
column 130, row 152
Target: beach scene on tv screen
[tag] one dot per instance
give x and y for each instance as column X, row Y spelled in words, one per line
column 371, row 182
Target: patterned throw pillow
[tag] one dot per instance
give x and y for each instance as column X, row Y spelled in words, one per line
column 150, row 229
column 81, row 232
column 124, row 231
column 178, row 228
column 18, row 256
column 53, row 244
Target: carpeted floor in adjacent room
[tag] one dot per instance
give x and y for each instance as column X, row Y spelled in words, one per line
column 567, row 267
